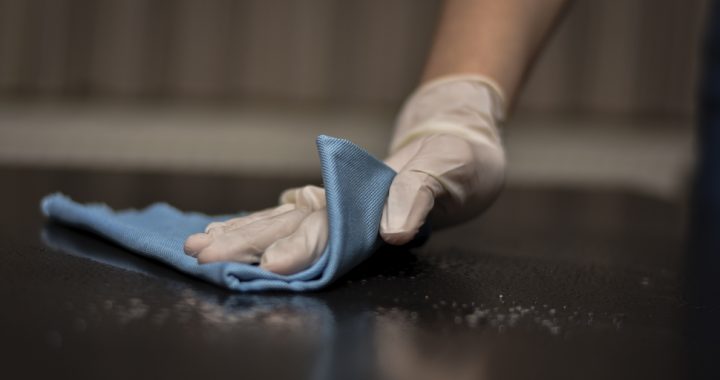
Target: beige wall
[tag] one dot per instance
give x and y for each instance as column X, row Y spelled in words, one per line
column 609, row 56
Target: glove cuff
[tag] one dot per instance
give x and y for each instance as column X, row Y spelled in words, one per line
column 469, row 106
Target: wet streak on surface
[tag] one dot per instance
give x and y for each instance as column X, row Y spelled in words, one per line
column 549, row 284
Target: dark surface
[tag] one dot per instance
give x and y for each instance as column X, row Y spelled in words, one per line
column 549, row 284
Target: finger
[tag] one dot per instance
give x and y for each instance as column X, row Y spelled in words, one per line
column 411, row 197
column 310, row 197
column 246, row 243
column 196, row 243
column 220, row 227
column 300, row 249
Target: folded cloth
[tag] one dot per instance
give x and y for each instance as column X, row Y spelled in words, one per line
column 356, row 186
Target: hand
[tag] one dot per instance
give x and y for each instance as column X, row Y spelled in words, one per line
column 450, row 163
column 285, row 239
column 448, row 154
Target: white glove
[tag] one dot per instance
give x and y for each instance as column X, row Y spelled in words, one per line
column 449, row 158
column 285, row 239
column 448, row 155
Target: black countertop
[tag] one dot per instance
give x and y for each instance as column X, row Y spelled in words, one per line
column 549, row 284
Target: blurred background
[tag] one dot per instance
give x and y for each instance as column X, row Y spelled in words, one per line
column 243, row 87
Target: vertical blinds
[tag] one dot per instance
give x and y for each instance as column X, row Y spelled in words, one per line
column 608, row 56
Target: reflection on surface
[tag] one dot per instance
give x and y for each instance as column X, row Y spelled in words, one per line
column 406, row 351
column 399, row 315
column 591, row 274
column 303, row 324
column 220, row 309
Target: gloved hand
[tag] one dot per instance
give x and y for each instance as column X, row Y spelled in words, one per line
column 285, row 239
column 450, row 162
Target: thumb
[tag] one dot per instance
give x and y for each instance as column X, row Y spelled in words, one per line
column 309, row 197
column 411, row 197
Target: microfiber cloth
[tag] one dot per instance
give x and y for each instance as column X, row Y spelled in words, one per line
column 356, row 186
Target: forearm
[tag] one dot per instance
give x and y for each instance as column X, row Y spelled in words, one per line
column 495, row 38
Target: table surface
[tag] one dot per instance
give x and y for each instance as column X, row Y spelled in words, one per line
column 549, row 284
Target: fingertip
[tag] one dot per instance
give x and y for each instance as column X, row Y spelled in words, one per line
column 410, row 200
column 398, row 237
column 195, row 243
column 299, row 250
column 208, row 255
column 386, row 231
column 216, row 253
column 287, row 197
column 281, row 263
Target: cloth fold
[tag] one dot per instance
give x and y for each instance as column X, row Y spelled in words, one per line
column 356, row 186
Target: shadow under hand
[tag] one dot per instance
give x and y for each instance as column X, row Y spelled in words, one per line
column 74, row 242
column 257, row 327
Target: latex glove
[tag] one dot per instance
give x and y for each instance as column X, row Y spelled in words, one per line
column 447, row 152
column 285, row 239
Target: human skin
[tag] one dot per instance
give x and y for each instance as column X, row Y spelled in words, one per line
column 496, row 38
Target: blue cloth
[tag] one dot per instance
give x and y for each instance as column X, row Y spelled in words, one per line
column 356, row 186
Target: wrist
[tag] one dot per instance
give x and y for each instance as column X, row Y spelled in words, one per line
column 468, row 106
